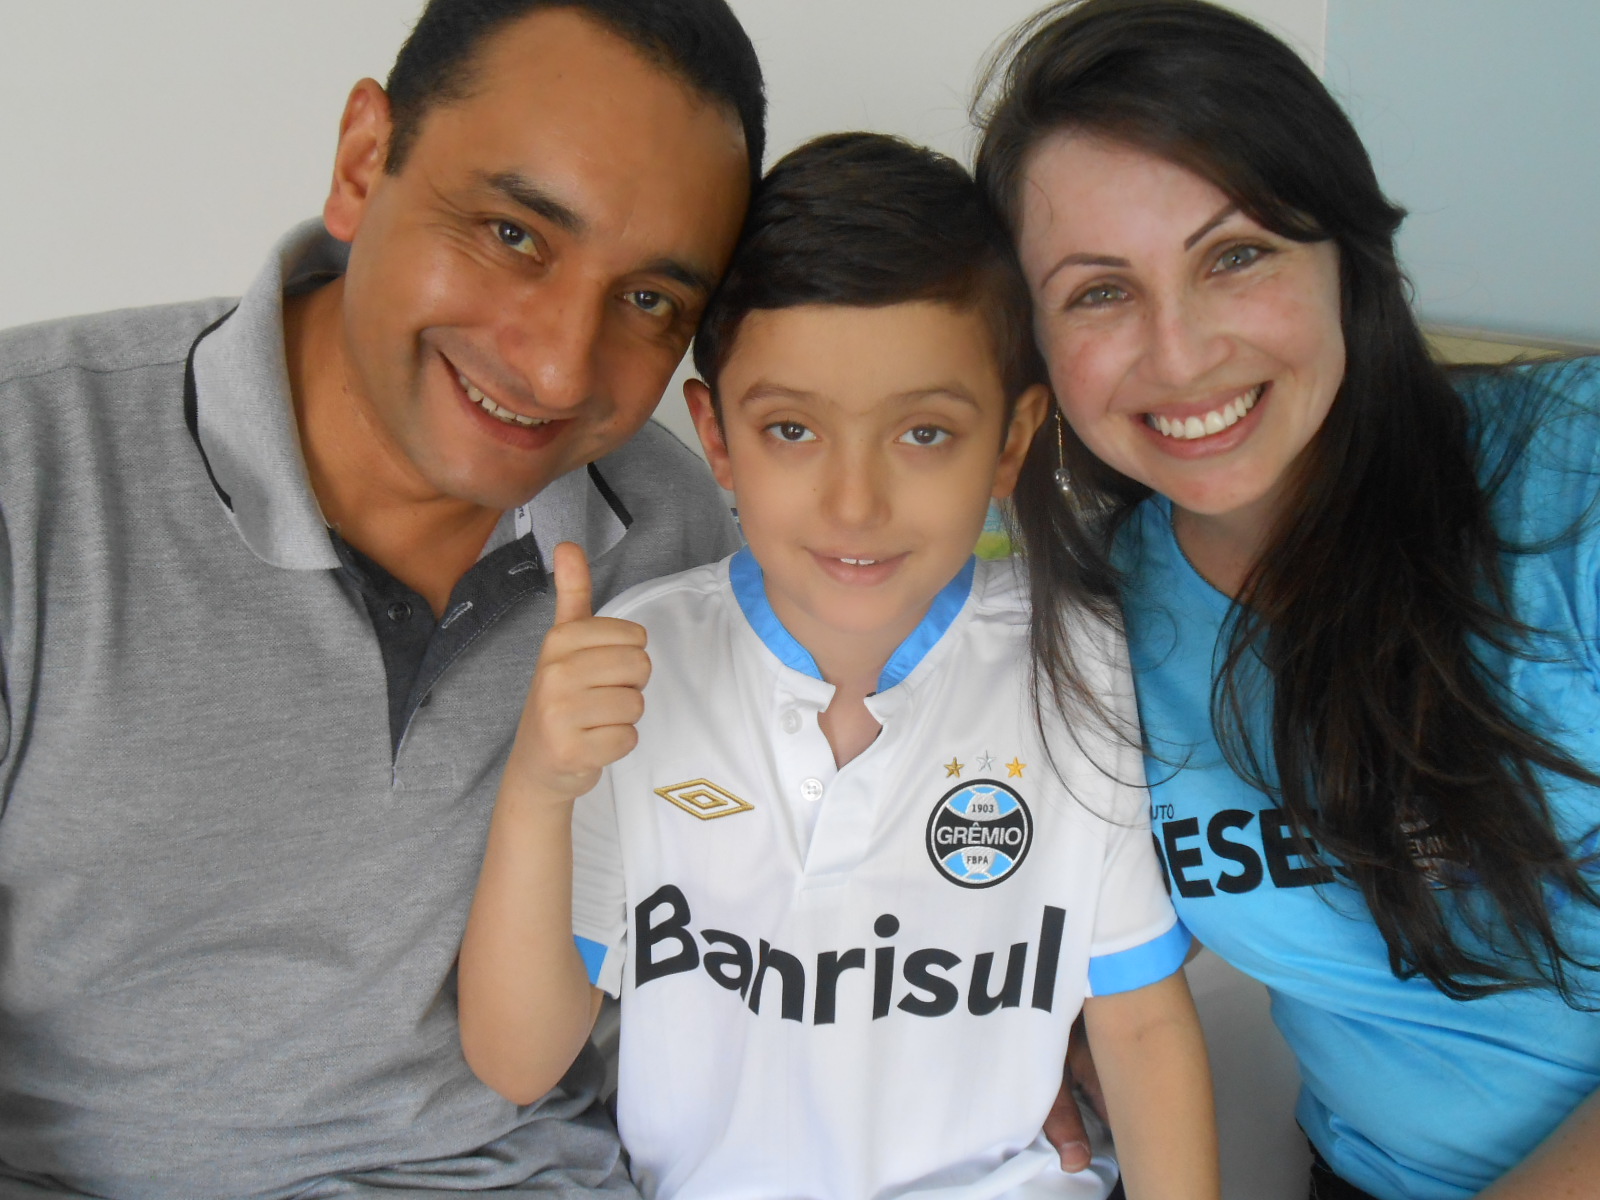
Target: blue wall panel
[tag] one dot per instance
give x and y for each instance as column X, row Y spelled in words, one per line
column 1483, row 117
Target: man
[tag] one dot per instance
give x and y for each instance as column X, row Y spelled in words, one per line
column 272, row 580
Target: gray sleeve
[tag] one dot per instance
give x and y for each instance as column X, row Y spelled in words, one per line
column 5, row 637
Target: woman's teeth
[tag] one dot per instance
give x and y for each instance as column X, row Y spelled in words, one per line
column 860, row 562
column 1215, row 421
column 493, row 409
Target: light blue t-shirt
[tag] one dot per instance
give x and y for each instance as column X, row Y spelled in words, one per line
column 1408, row 1094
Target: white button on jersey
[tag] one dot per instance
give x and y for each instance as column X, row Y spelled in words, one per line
column 811, row 789
column 791, row 722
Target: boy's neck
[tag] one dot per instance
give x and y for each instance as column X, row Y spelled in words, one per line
column 847, row 724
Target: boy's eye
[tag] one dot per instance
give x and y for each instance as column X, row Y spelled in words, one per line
column 925, row 435
column 791, row 431
column 517, row 238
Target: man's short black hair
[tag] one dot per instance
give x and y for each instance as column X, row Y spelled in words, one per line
column 699, row 41
column 866, row 220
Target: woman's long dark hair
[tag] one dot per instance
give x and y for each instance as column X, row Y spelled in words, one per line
column 1383, row 581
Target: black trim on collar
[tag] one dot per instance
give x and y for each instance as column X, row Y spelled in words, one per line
column 191, row 405
column 610, row 497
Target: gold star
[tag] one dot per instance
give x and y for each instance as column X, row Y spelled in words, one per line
column 1014, row 768
column 953, row 768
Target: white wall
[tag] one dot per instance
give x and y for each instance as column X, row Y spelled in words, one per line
column 151, row 152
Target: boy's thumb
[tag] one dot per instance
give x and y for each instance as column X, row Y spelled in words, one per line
column 574, row 591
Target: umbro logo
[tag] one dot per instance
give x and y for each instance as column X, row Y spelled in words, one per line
column 704, row 799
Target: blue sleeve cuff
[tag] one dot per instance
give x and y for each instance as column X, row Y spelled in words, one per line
column 1141, row 965
column 593, row 955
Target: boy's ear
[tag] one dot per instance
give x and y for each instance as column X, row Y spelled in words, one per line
column 1032, row 409
column 698, row 397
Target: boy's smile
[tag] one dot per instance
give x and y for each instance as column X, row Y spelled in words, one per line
column 863, row 446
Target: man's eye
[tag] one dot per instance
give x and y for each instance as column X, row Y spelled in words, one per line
column 925, row 435
column 516, row 238
column 791, row 431
column 656, row 304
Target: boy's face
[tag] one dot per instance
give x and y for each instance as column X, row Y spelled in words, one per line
column 863, row 446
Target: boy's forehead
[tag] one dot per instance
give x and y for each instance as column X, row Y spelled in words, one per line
column 823, row 353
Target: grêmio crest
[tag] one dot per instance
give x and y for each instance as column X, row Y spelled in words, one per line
column 979, row 833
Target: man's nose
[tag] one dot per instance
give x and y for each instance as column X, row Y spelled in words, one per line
column 551, row 338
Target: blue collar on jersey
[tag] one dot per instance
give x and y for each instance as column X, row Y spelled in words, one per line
column 744, row 574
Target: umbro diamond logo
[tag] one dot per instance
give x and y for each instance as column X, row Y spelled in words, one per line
column 704, row 799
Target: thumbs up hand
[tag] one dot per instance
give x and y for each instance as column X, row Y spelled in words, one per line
column 587, row 693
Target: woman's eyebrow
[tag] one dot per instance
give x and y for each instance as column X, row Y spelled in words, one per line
column 1227, row 211
column 1083, row 260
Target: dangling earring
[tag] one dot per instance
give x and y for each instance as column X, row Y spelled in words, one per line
column 1063, row 476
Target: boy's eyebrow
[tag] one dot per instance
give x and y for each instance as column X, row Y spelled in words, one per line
column 953, row 390
column 763, row 390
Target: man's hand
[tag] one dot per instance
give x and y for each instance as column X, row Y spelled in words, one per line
column 1063, row 1127
column 587, row 693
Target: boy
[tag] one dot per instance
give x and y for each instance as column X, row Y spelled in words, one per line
column 850, row 908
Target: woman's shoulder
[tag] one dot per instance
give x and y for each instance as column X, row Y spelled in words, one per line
column 1536, row 433
column 1551, row 406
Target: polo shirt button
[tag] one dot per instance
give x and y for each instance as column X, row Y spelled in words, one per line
column 811, row 789
column 399, row 611
column 790, row 722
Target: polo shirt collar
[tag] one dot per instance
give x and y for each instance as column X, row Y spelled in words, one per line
column 749, row 589
column 246, row 429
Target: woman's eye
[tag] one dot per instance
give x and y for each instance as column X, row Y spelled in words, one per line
column 1235, row 258
column 655, row 304
column 791, row 431
column 516, row 238
column 1097, row 296
column 925, row 435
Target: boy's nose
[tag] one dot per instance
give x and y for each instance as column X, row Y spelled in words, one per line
column 856, row 492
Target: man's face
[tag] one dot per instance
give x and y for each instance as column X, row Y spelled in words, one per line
column 520, row 292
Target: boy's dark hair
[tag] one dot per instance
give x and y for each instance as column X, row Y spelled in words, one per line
column 867, row 220
column 699, row 41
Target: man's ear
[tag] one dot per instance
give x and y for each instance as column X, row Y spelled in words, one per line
column 358, row 162
column 1032, row 409
column 698, row 396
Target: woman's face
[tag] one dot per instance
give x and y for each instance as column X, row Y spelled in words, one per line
column 1190, row 348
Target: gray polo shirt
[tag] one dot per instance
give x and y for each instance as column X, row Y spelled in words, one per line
column 245, row 781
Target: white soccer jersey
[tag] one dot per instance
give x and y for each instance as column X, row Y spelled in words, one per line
column 858, row 982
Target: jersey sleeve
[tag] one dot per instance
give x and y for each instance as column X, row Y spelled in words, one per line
column 1138, row 939
column 599, row 893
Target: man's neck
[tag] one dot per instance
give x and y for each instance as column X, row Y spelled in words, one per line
column 366, row 487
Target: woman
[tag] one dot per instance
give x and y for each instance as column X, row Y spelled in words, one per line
column 1361, row 597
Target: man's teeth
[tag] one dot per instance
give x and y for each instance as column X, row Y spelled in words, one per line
column 860, row 562
column 1215, row 421
column 493, row 409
